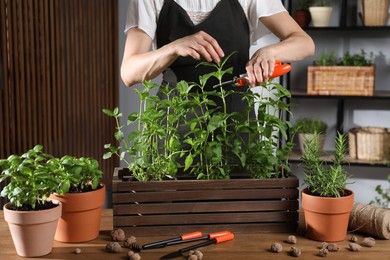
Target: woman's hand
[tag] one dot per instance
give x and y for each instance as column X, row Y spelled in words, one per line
column 198, row 45
column 139, row 63
column 260, row 67
column 295, row 44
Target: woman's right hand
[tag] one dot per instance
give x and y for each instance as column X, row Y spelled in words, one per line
column 140, row 63
column 198, row 45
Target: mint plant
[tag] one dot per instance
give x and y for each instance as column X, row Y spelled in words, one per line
column 216, row 142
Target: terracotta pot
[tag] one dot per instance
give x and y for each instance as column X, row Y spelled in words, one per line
column 32, row 231
column 302, row 17
column 81, row 214
column 327, row 218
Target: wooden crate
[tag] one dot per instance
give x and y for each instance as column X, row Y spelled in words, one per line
column 341, row 80
column 180, row 206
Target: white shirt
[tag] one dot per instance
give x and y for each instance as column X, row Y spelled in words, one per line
column 144, row 14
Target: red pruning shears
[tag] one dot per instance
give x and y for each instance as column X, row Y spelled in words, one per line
column 243, row 80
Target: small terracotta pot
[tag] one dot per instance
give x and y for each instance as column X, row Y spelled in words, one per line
column 32, row 231
column 81, row 215
column 302, row 17
column 327, row 218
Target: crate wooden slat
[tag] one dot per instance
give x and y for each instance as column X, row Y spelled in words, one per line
column 341, row 80
column 179, row 206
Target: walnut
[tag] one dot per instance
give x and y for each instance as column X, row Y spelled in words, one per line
column 276, row 247
column 354, row 247
column 118, row 235
column 324, row 245
column 332, row 247
column 193, row 257
column 113, row 247
column 323, row 252
column 368, row 242
column 133, row 255
column 291, row 240
column 129, row 241
column 295, row 251
column 77, row 251
column 353, row 239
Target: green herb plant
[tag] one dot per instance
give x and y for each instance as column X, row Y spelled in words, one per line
column 31, row 179
column 322, row 179
column 310, row 125
column 383, row 197
column 326, row 59
column 321, row 3
column 329, row 59
column 77, row 174
column 216, row 142
column 304, row 4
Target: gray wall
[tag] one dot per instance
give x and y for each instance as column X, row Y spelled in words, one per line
column 369, row 112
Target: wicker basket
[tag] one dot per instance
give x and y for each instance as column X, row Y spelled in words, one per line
column 341, row 80
column 375, row 12
column 369, row 143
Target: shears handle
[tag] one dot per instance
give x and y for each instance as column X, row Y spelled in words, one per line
column 279, row 70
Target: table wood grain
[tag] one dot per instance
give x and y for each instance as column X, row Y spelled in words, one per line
column 244, row 247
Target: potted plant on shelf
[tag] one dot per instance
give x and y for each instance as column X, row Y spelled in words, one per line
column 302, row 15
column 83, row 200
column 350, row 75
column 218, row 169
column 307, row 127
column 383, row 196
column 31, row 217
column 320, row 12
column 326, row 201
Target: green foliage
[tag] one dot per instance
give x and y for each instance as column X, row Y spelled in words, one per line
column 383, row 197
column 304, row 4
column 329, row 59
column 310, row 125
column 31, row 179
column 321, row 3
column 326, row 59
column 77, row 174
column 322, row 179
column 35, row 175
column 214, row 138
column 361, row 59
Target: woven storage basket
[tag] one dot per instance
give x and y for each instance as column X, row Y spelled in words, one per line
column 375, row 12
column 341, row 80
column 369, row 143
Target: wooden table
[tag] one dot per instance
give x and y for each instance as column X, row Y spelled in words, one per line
column 244, row 246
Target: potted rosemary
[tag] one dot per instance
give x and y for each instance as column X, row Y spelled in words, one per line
column 219, row 152
column 31, row 217
column 326, row 201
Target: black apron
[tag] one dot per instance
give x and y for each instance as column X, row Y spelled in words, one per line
column 227, row 23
